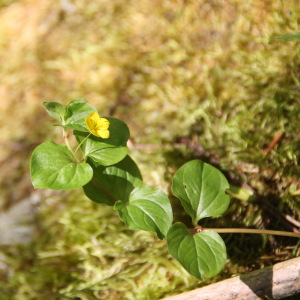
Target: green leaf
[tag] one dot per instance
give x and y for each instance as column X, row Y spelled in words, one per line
column 55, row 110
column 148, row 209
column 110, row 155
column 106, row 151
column 201, row 190
column 52, row 167
column 202, row 254
column 76, row 112
column 113, row 183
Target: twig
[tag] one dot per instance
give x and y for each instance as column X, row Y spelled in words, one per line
column 274, row 282
column 275, row 212
column 275, row 140
column 292, row 220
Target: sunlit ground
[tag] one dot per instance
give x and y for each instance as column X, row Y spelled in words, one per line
column 192, row 79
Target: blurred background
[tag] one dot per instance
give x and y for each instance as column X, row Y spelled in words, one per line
column 215, row 80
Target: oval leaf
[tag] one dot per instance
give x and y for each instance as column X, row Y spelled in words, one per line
column 113, row 183
column 201, row 190
column 52, row 167
column 109, row 156
column 202, row 254
column 76, row 112
column 148, row 209
column 55, row 110
column 106, row 151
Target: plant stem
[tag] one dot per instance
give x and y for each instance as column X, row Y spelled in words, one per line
column 81, row 143
column 247, row 230
column 67, row 142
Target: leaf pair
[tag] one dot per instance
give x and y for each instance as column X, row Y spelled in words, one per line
column 140, row 207
column 73, row 115
column 54, row 166
column 201, row 190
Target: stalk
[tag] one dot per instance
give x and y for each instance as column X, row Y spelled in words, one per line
column 247, row 230
column 81, row 143
column 67, row 142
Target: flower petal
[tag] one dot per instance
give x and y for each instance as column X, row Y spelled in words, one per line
column 103, row 124
column 94, row 116
column 91, row 121
column 103, row 133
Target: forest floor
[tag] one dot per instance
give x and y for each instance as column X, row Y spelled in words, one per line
column 213, row 80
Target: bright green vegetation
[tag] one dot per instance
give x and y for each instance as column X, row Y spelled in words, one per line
column 194, row 79
column 98, row 165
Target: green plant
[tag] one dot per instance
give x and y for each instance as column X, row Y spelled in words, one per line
column 100, row 164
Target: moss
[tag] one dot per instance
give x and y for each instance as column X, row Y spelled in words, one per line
column 83, row 250
column 193, row 79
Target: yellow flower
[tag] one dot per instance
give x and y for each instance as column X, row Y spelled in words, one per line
column 97, row 126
